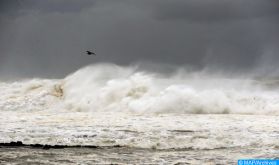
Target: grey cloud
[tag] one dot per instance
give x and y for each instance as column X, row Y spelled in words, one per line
column 20, row 7
column 60, row 5
column 50, row 38
column 214, row 10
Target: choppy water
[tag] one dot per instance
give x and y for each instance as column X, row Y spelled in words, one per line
column 185, row 117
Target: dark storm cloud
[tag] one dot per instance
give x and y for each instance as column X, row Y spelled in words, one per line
column 18, row 6
column 215, row 10
column 49, row 37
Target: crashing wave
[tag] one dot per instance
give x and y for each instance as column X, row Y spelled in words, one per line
column 107, row 87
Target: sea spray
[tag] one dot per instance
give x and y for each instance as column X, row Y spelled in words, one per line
column 108, row 87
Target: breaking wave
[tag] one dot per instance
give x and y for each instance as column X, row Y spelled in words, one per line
column 107, row 87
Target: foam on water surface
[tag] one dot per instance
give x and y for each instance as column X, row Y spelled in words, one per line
column 108, row 105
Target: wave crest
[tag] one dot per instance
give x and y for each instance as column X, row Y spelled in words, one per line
column 107, row 87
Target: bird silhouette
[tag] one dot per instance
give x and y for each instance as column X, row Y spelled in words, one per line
column 90, row 53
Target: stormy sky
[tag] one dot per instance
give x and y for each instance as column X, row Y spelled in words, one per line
column 48, row 38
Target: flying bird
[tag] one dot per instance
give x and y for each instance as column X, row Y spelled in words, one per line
column 90, row 53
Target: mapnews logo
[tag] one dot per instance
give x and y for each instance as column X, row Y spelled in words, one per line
column 257, row 162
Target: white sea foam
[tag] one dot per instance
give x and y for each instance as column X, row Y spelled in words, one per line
column 108, row 105
column 107, row 87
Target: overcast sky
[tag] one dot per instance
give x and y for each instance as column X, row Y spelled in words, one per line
column 48, row 38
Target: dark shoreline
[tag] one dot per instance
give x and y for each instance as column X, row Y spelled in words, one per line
column 46, row 146
column 20, row 153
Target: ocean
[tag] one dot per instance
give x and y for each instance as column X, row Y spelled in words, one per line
column 108, row 114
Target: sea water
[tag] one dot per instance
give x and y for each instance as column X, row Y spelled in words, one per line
column 136, row 116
